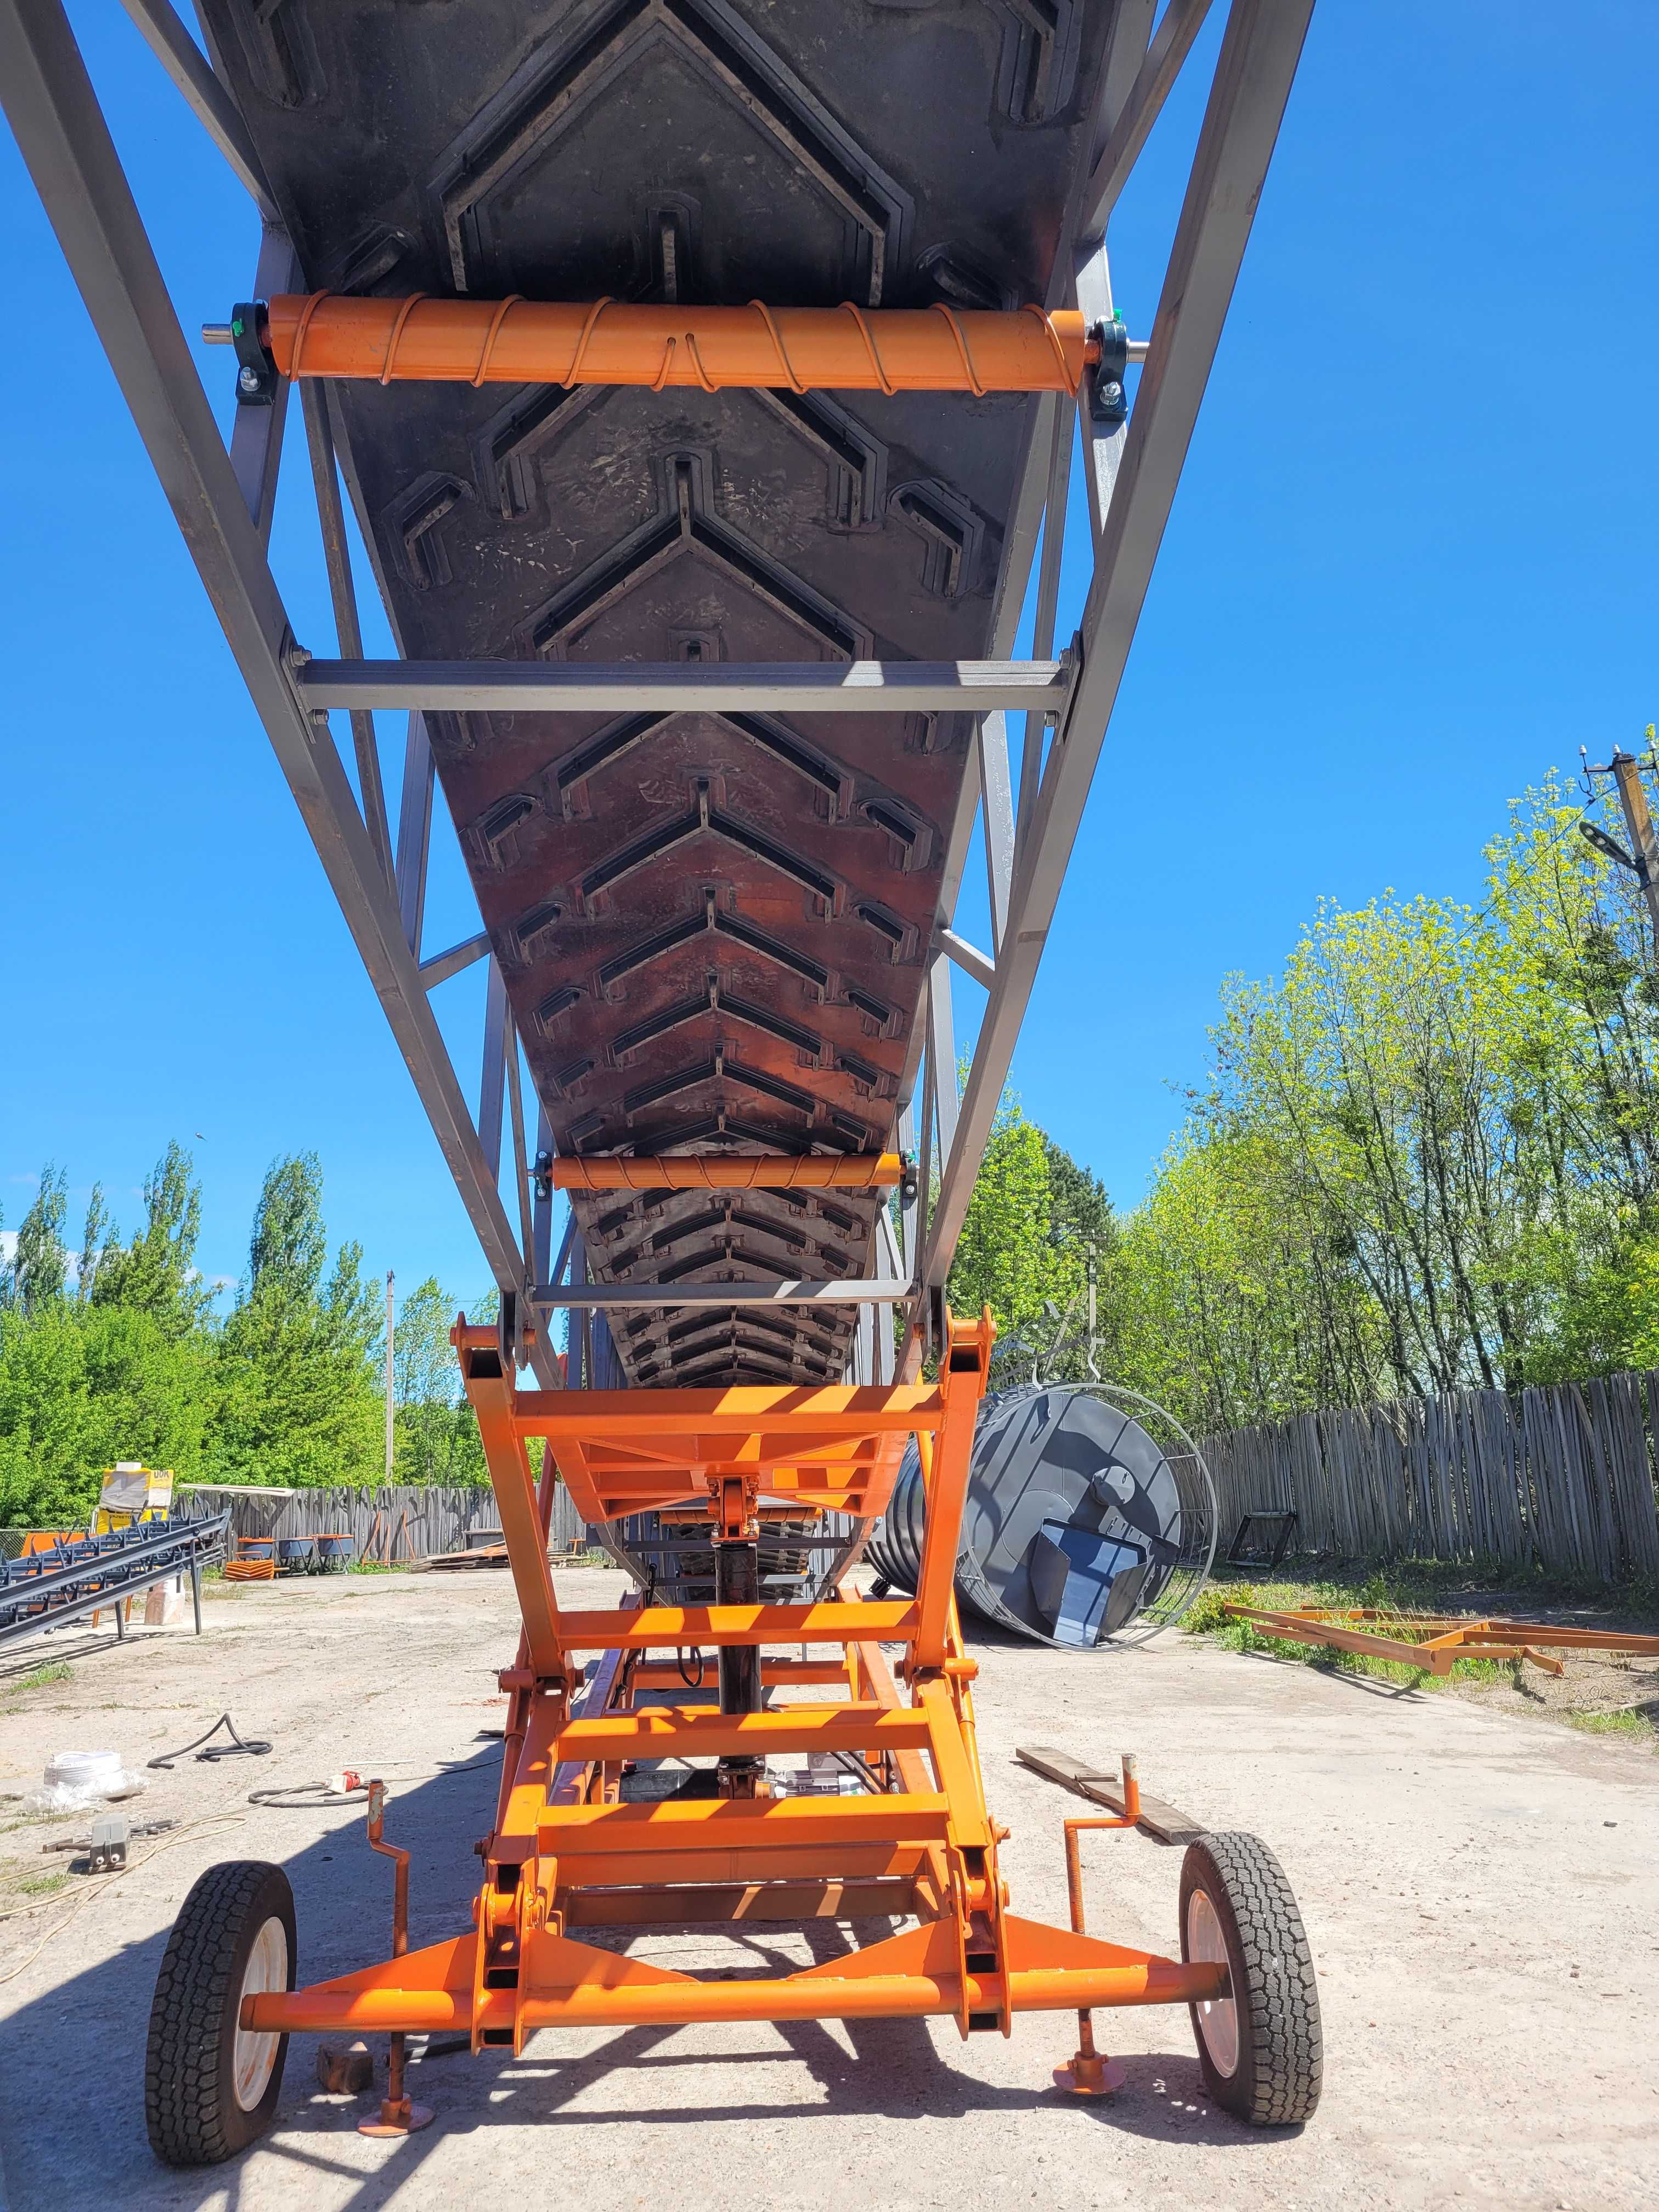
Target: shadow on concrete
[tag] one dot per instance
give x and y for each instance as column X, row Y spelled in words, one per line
column 74, row 2077
column 1371, row 1685
column 61, row 1647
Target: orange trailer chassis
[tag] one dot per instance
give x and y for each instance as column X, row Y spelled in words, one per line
column 566, row 1855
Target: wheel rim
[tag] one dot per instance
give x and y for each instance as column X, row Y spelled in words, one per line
column 1217, row 2017
column 256, row 2051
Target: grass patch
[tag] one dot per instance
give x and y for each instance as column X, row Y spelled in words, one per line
column 42, row 1885
column 58, row 1671
column 1629, row 1722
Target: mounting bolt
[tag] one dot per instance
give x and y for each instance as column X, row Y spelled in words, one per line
column 250, row 381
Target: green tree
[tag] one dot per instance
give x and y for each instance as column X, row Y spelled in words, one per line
column 97, row 1236
column 1428, row 1155
column 80, row 1389
column 39, row 1263
column 299, row 1402
column 1009, row 1255
column 156, row 1273
column 436, row 1435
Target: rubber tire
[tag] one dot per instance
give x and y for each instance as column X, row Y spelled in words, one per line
column 190, row 2098
column 1277, row 2078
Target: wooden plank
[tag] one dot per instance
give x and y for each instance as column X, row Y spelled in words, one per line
column 1640, row 1510
column 1163, row 1822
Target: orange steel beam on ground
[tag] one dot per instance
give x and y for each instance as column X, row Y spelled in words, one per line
column 518, row 341
column 892, row 1620
column 1440, row 1641
column 752, row 1171
column 1560, row 1635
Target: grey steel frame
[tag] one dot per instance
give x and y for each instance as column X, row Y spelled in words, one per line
column 222, row 502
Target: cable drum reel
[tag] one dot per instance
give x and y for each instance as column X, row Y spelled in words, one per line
column 1085, row 1524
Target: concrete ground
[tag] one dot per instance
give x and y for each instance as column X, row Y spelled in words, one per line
column 1479, row 1890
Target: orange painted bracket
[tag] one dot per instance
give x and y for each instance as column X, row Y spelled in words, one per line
column 608, row 342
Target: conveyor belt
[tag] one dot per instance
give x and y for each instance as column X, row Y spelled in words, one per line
column 714, row 928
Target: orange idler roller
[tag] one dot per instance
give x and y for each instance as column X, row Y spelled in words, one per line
column 515, row 341
column 759, row 1171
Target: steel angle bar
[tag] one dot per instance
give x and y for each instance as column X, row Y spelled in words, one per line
column 969, row 958
column 414, row 832
column 942, row 1055
column 442, row 965
column 492, row 1076
column 614, row 1296
column 168, row 39
column 997, row 814
column 1260, row 51
column 857, row 687
column 1103, row 437
column 1047, row 425
column 1171, row 45
column 66, row 143
column 1019, row 552
column 1062, row 441
column 256, row 437
column 542, row 1269
column 336, row 556
column 521, row 1162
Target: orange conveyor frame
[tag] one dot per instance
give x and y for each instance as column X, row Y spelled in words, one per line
column 565, row 1854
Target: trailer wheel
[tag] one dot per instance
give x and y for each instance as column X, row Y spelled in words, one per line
column 211, row 2087
column 1260, row 2048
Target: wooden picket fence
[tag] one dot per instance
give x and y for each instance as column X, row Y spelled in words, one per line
column 389, row 1520
column 1561, row 1477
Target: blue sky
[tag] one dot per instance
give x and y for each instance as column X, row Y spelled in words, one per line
column 1411, row 566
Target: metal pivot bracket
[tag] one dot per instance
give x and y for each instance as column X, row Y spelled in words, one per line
column 1108, row 402
column 256, row 372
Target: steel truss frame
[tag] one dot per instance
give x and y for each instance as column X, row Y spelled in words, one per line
column 564, row 1852
column 1029, row 818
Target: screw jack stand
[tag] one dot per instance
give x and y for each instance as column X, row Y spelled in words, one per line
column 1091, row 2074
column 398, row 2116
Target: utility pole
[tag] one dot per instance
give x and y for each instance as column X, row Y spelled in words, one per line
column 1644, row 848
column 389, row 1282
column 1643, row 858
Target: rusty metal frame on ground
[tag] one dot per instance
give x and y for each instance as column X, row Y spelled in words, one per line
column 1435, row 1642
